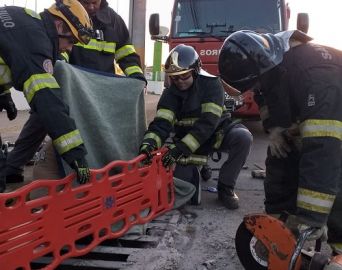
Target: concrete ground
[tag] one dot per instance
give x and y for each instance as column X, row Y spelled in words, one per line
column 203, row 238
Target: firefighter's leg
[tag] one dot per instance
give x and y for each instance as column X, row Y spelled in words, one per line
column 237, row 143
column 281, row 183
column 28, row 142
column 335, row 221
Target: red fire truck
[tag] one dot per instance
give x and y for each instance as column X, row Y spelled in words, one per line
column 204, row 24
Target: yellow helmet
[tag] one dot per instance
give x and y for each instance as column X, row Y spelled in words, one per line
column 77, row 18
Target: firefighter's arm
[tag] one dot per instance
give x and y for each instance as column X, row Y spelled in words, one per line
column 161, row 126
column 275, row 113
column 320, row 163
column 126, row 55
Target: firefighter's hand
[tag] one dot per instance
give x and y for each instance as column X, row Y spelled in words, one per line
column 298, row 227
column 172, row 156
column 278, row 144
column 7, row 103
column 81, row 168
column 140, row 77
column 147, row 149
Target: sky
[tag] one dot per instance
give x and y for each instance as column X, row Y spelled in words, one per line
column 325, row 18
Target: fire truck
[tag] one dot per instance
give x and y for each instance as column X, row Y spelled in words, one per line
column 204, row 25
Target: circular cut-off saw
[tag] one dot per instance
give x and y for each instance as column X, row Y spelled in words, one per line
column 264, row 242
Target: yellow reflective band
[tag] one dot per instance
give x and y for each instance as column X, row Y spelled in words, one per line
column 153, row 136
column 99, row 45
column 68, row 141
column 32, row 13
column 315, row 201
column 166, row 114
column 321, row 128
column 336, row 246
column 38, row 82
column 193, row 159
column 212, row 108
column 65, row 56
column 191, row 142
column 186, row 122
column 5, row 73
column 8, row 91
column 124, row 51
column 134, row 69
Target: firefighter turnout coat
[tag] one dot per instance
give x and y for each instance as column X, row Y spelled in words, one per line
column 195, row 115
column 28, row 50
column 309, row 92
column 114, row 48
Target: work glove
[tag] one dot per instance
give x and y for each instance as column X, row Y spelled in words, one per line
column 292, row 135
column 80, row 166
column 173, row 155
column 139, row 76
column 147, row 149
column 279, row 146
column 297, row 226
column 7, row 103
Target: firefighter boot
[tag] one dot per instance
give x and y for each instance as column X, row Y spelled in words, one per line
column 227, row 196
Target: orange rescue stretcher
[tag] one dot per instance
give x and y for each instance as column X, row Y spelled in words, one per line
column 118, row 196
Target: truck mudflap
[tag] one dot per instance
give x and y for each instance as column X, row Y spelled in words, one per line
column 69, row 220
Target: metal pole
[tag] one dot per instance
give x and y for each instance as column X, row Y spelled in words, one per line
column 157, row 55
column 137, row 21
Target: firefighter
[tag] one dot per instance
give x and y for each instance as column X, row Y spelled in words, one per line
column 110, row 45
column 193, row 107
column 29, row 45
column 301, row 84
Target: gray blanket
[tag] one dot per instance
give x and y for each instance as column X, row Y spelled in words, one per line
column 109, row 112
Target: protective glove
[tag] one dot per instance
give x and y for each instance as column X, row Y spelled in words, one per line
column 278, row 144
column 139, row 76
column 297, row 226
column 80, row 166
column 7, row 103
column 292, row 135
column 147, row 149
column 172, row 156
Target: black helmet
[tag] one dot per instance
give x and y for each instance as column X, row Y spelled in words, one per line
column 245, row 55
column 182, row 59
